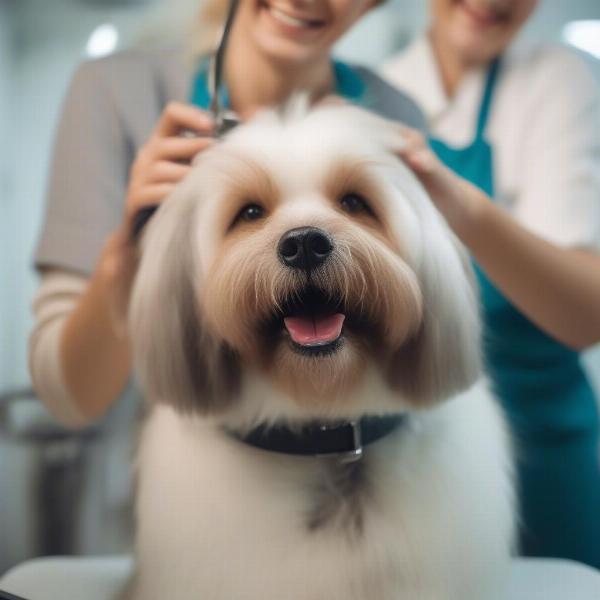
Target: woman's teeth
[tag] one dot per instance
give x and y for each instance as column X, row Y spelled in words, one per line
column 288, row 19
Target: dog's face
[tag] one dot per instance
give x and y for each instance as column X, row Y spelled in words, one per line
column 302, row 249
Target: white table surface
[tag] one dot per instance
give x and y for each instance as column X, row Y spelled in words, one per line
column 102, row 578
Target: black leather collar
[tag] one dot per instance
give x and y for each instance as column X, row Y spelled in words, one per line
column 344, row 440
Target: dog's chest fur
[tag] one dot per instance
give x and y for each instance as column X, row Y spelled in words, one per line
column 220, row 520
column 339, row 496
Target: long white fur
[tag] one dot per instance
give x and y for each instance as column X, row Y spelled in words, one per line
column 218, row 520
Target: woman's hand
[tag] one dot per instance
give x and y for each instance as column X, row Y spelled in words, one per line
column 165, row 158
column 557, row 288
column 459, row 201
column 161, row 163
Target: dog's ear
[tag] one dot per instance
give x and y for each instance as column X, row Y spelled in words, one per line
column 176, row 361
column 444, row 357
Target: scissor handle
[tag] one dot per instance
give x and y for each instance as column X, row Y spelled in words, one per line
column 224, row 122
column 139, row 222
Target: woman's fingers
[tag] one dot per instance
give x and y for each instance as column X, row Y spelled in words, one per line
column 164, row 160
column 143, row 197
column 179, row 148
column 417, row 154
column 163, row 171
column 148, row 194
column 457, row 199
column 177, row 117
column 412, row 147
column 422, row 160
column 409, row 141
column 151, row 194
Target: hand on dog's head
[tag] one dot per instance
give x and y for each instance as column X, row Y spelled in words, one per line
column 301, row 252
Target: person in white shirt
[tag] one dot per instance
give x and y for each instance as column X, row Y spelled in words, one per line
column 523, row 127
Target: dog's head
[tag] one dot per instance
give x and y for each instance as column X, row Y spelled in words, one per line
column 302, row 250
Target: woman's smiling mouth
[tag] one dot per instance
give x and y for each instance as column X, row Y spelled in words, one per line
column 286, row 18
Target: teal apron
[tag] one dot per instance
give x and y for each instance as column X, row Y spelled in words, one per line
column 347, row 84
column 546, row 395
column 354, row 83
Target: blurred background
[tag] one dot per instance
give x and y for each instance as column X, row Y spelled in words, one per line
column 64, row 492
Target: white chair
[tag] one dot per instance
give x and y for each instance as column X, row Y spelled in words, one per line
column 102, row 578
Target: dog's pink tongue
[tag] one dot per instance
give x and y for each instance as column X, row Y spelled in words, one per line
column 315, row 330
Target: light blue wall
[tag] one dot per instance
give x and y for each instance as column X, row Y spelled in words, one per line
column 7, row 332
column 48, row 41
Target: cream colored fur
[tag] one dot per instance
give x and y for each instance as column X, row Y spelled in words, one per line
column 219, row 520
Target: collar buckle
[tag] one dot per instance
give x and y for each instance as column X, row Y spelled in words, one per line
column 355, row 447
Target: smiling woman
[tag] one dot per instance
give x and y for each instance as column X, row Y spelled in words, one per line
column 470, row 33
column 134, row 105
column 287, row 46
column 521, row 126
column 283, row 27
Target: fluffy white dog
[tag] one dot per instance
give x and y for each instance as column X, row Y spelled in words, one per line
column 306, row 330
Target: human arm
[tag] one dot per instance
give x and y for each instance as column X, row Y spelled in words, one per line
column 56, row 297
column 557, row 287
column 90, row 177
column 542, row 253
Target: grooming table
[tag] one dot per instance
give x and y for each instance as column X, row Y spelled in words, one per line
column 102, row 578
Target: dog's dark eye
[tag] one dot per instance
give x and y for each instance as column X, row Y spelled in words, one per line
column 250, row 212
column 354, row 204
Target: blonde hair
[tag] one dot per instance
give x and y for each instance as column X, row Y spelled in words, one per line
column 207, row 26
column 195, row 25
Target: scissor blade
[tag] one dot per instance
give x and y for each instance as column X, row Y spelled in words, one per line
column 217, row 71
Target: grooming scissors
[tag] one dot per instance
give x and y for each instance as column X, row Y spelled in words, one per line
column 224, row 118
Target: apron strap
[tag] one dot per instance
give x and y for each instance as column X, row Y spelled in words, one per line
column 486, row 101
column 348, row 84
column 200, row 95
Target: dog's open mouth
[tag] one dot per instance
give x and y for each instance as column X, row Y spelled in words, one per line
column 313, row 321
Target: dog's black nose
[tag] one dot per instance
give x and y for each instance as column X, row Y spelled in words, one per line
column 304, row 248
